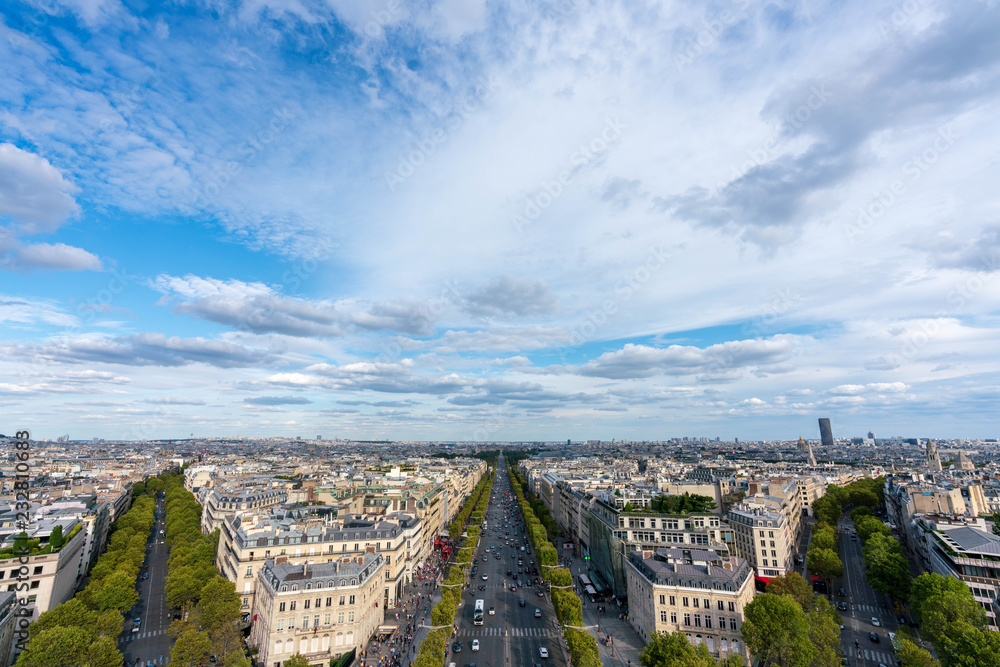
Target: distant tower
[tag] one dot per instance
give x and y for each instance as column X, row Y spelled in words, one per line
column 933, row 458
column 807, row 446
column 825, row 432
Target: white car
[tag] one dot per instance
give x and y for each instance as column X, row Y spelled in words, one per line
column 542, row 651
column 485, row 577
column 475, row 644
column 875, row 622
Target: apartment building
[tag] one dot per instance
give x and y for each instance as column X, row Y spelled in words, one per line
column 8, row 626
column 321, row 611
column 51, row 577
column 218, row 503
column 763, row 538
column 700, row 592
column 301, row 537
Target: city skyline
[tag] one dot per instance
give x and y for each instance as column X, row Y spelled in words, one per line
column 499, row 222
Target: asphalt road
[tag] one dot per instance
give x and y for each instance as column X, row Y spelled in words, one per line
column 862, row 605
column 151, row 644
column 512, row 636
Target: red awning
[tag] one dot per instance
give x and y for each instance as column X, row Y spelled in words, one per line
column 763, row 580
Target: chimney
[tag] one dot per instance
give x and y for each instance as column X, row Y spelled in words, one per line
column 280, row 559
column 305, row 569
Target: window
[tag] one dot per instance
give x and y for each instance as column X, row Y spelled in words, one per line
column 708, row 621
column 707, row 604
column 306, row 604
column 340, row 617
column 316, row 621
column 388, row 575
column 721, row 606
column 732, row 624
column 697, row 620
column 291, row 622
column 684, row 601
column 774, row 554
column 281, row 626
column 34, row 584
column 687, row 619
column 722, row 622
column 342, row 598
column 673, row 601
column 350, row 617
column 663, row 599
column 329, row 602
column 732, row 607
column 351, row 600
column 319, row 602
column 305, row 621
column 326, row 619
column 770, row 533
column 37, row 570
column 249, row 570
column 281, row 606
column 763, row 543
column 696, row 603
column 673, row 617
column 772, row 544
column 291, row 605
column 663, row 616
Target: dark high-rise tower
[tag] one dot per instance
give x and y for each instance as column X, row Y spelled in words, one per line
column 825, row 432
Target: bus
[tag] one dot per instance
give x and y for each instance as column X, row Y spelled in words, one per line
column 477, row 616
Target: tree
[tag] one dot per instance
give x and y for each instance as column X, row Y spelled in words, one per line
column 824, row 633
column 792, row 584
column 191, row 649
column 72, row 613
column 297, row 660
column 912, row 655
column 627, row 508
column 777, row 628
column 824, row 539
column 219, row 605
column 824, row 562
column 732, row 660
column 963, row 645
column 886, row 567
column 56, row 646
column 117, row 592
column 56, row 539
column 103, row 653
column 995, row 518
column 938, row 601
column 674, row 650
column 868, row 526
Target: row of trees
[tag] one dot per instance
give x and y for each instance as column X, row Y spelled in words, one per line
column 823, row 557
column 210, row 608
column 567, row 604
column 953, row 622
column 792, row 626
column 686, row 503
column 443, row 614
column 83, row 632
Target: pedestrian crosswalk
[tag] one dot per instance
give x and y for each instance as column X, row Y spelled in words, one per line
column 878, row 657
column 514, row 632
column 143, row 635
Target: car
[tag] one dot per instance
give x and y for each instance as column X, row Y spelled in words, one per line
column 540, row 594
column 875, row 622
column 873, row 636
column 842, row 606
column 521, row 603
column 841, row 593
column 486, row 577
column 145, row 575
column 484, row 559
column 493, row 611
column 456, row 647
column 538, row 612
column 508, row 573
column 475, row 644
column 513, row 588
column 482, row 587
column 136, row 624
column 543, row 652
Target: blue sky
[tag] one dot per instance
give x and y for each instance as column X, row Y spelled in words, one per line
column 498, row 221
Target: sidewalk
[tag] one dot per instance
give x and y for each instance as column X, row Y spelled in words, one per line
column 626, row 642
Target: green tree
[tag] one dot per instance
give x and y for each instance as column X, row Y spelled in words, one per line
column 103, row 653
column 674, row 650
column 297, row 660
column 887, row 569
column 72, row 613
column 824, row 539
column 824, row 562
column 154, row 485
column 868, row 526
column 732, row 660
column 117, row 592
column 794, row 585
column 61, row 645
column 138, row 489
column 191, row 649
column 775, row 627
column 56, row 539
column 938, row 601
column 964, row 645
column 627, row 508
column 219, row 605
column 912, row 655
column 824, row 633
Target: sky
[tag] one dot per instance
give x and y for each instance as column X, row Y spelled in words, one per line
column 488, row 221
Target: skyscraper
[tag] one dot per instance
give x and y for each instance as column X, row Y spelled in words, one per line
column 825, row 432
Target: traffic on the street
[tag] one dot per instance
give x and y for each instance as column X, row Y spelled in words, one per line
column 505, row 618
column 145, row 640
